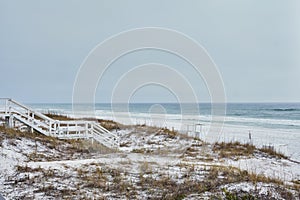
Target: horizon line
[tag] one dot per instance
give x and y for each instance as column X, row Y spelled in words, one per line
column 229, row 102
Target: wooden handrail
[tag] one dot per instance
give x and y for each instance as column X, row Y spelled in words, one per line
column 57, row 128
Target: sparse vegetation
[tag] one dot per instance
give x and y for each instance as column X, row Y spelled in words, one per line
column 138, row 151
column 233, row 149
column 166, row 166
column 57, row 116
column 270, row 150
column 237, row 196
column 168, row 132
column 109, row 124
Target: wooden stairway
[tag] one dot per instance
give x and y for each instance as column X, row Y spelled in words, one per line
column 12, row 111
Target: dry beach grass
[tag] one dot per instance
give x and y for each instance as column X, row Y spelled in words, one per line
column 152, row 163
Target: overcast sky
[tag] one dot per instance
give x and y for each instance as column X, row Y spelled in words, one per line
column 255, row 44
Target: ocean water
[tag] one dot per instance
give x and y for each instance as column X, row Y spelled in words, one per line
column 275, row 124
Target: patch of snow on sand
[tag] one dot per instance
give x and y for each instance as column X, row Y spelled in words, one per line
column 275, row 168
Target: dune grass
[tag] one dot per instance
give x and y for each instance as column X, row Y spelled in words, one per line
column 237, row 149
column 233, row 149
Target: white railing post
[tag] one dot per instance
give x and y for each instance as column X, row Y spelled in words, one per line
column 11, row 121
column 86, row 129
column 50, row 124
column 92, row 132
column 9, row 109
column 58, row 127
column 55, row 127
